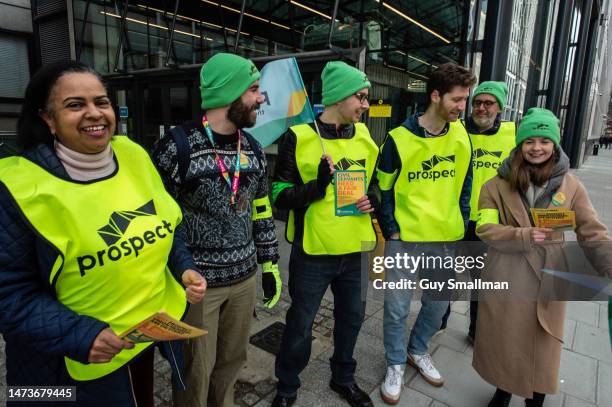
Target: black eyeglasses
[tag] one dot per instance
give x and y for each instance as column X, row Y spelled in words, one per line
column 363, row 97
column 486, row 103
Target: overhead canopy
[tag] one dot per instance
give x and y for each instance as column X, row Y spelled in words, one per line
column 415, row 36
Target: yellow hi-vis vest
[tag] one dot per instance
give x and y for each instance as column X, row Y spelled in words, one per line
column 113, row 237
column 488, row 152
column 324, row 232
column 428, row 186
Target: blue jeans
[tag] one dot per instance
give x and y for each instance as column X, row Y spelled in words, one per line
column 309, row 277
column 397, row 307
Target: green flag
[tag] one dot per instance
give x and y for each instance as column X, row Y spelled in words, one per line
column 286, row 101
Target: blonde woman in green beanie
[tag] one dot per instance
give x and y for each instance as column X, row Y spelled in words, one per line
column 519, row 340
column 326, row 249
column 217, row 173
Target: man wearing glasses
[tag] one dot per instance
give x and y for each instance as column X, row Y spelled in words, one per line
column 325, row 247
column 424, row 175
column 492, row 139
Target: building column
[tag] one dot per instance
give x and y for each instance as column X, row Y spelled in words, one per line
column 496, row 40
column 53, row 28
column 581, row 82
column 538, row 45
column 558, row 61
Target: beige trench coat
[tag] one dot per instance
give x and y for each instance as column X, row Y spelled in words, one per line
column 518, row 342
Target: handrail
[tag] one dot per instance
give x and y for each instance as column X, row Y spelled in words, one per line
column 349, row 53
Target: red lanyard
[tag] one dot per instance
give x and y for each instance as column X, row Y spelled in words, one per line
column 235, row 181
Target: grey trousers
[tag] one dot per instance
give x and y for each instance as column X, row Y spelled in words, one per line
column 214, row 360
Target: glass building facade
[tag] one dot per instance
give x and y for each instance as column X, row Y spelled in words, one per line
column 150, row 51
column 144, row 34
column 519, row 53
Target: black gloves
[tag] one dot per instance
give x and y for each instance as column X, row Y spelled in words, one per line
column 323, row 176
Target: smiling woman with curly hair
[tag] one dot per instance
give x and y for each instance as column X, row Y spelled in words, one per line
column 86, row 246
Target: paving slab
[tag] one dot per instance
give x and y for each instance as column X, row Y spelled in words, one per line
column 259, row 366
column 266, row 401
column 583, row 311
column 379, row 314
column 554, row 400
column 371, row 364
column 315, row 376
column 263, row 320
column 374, row 324
column 593, row 342
column 323, row 396
column 578, row 376
column 574, row 402
column 455, row 335
column 409, row 398
column 462, row 385
column 461, row 307
column 469, row 351
column 373, row 306
column 569, row 332
column 604, row 385
column 603, row 316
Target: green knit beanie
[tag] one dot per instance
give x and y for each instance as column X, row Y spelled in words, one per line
column 497, row 89
column 341, row 80
column 539, row 122
column 224, row 78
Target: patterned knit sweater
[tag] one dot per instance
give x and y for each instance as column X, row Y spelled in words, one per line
column 225, row 242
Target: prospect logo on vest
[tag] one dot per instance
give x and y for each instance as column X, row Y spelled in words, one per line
column 486, row 163
column 435, row 160
column 429, row 173
column 115, row 232
column 346, row 163
column 119, row 222
column 481, row 152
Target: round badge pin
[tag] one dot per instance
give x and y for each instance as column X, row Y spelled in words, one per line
column 558, row 199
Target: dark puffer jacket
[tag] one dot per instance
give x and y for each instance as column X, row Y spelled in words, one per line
column 39, row 331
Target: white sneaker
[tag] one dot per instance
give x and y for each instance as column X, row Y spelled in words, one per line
column 426, row 368
column 391, row 388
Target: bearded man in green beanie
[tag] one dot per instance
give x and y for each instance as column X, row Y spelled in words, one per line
column 217, row 173
column 492, row 139
column 326, row 249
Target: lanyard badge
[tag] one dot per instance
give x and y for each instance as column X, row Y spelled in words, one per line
column 235, row 180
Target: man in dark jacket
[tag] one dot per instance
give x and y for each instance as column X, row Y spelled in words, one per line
column 227, row 224
column 326, row 247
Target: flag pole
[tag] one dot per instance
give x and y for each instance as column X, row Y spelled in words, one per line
column 309, row 106
column 320, row 138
